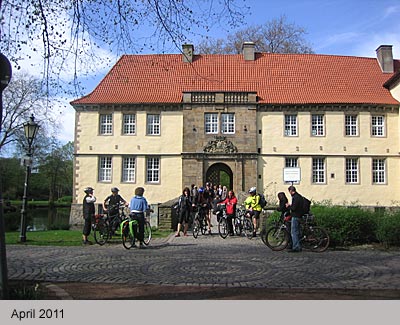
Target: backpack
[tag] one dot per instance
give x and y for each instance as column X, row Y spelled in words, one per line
column 262, row 202
column 306, row 205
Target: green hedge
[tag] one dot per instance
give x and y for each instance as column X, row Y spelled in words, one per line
column 355, row 226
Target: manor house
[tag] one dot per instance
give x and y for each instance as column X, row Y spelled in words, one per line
column 170, row 120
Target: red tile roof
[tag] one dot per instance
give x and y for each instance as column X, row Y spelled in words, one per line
column 277, row 79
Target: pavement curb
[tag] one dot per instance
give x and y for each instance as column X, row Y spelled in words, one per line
column 59, row 292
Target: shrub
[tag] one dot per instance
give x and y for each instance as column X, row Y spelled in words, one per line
column 388, row 229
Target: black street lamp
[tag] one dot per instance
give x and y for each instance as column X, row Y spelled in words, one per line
column 30, row 128
column 5, row 77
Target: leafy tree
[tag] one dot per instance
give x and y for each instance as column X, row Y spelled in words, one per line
column 275, row 36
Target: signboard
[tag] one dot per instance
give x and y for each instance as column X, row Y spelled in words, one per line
column 291, row 174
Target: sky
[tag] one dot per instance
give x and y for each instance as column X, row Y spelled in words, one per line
column 334, row 27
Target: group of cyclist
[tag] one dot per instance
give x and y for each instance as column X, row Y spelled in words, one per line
column 138, row 207
column 209, row 199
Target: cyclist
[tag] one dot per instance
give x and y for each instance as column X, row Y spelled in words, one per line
column 88, row 213
column 139, row 207
column 230, row 203
column 113, row 201
column 296, row 208
column 253, row 208
column 283, row 208
column 185, row 205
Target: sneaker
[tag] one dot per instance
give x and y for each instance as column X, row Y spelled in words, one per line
column 86, row 242
column 254, row 234
column 294, row 250
column 177, row 235
column 209, row 232
column 185, row 235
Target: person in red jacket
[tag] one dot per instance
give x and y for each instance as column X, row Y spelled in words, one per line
column 230, row 203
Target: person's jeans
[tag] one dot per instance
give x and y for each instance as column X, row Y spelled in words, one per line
column 295, row 232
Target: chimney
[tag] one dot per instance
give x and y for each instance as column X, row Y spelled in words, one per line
column 385, row 58
column 248, row 51
column 187, row 53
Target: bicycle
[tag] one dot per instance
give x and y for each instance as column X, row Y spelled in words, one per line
column 199, row 222
column 312, row 237
column 106, row 226
column 243, row 223
column 129, row 230
column 222, row 221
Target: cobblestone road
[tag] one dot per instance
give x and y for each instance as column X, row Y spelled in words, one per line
column 208, row 261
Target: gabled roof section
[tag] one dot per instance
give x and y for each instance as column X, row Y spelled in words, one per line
column 276, row 78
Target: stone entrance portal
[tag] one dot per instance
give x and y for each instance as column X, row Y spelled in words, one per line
column 220, row 173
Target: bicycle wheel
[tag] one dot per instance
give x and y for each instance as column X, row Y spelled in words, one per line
column 101, row 233
column 203, row 226
column 128, row 239
column 238, row 226
column 223, row 228
column 317, row 239
column 276, row 238
column 196, row 227
column 248, row 228
column 147, row 233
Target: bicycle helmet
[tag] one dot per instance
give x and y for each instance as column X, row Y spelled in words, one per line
column 201, row 189
column 252, row 189
column 114, row 189
column 88, row 189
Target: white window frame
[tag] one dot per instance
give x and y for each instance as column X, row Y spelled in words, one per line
column 378, row 125
column 153, row 170
column 352, row 172
column 317, row 125
column 129, row 124
column 211, row 123
column 379, row 171
column 105, row 169
column 351, row 125
column 129, row 169
column 290, row 125
column 318, row 171
column 291, row 162
column 153, row 124
column 105, row 124
column 228, row 123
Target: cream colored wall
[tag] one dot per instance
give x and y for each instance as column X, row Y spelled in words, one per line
column 167, row 146
column 334, row 147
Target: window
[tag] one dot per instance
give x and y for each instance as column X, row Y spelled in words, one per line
column 351, row 170
column 378, row 126
column 106, row 124
column 211, row 123
column 105, row 169
column 128, row 169
column 318, row 170
column 153, row 170
column 378, row 171
column 291, row 162
column 228, row 123
column 153, row 124
column 290, row 125
column 317, row 125
column 129, row 124
column 351, row 125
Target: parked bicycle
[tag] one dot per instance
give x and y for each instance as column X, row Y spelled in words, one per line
column 129, row 229
column 200, row 220
column 242, row 223
column 222, row 221
column 106, row 226
column 312, row 237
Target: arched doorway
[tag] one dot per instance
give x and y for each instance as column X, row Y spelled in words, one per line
column 220, row 173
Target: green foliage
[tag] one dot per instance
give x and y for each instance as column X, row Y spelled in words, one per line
column 347, row 225
column 65, row 199
column 25, row 291
column 388, row 229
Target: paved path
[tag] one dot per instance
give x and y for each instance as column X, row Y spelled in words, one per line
column 208, row 261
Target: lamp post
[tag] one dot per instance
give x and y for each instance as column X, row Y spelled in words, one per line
column 5, row 77
column 30, row 129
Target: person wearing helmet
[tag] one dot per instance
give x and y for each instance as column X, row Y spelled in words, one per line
column 113, row 201
column 88, row 213
column 253, row 207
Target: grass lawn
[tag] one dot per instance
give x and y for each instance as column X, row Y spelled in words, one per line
column 62, row 237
